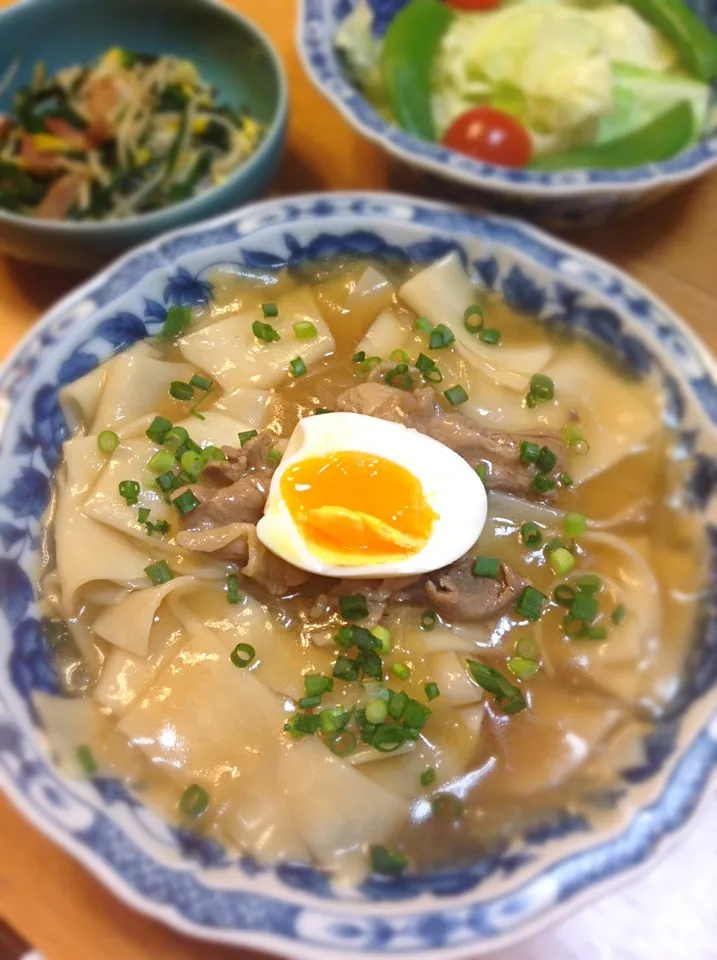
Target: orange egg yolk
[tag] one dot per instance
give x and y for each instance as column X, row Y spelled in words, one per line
column 356, row 508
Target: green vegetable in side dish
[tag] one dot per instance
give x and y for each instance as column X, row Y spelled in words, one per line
column 125, row 135
column 409, row 49
column 659, row 140
column 695, row 43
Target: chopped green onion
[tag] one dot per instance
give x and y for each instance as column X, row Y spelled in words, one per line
column 530, row 534
column 192, row 463
column 530, row 401
column 346, row 669
column 542, row 388
column 359, row 357
column 423, row 323
column 572, row 431
column 561, row 561
column 245, row 436
column 575, row 524
column 523, row 667
column 401, row 670
column 529, row 452
column 305, row 330
column 142, row 515
column 398, row 356
column 441, row 337
column 367, row 365
column 353, row 607
column 386, row 863
column 233, row 595
column 181, row 390
column 490, row 336
column 397, row 703
column 306, row 703
column 212, row 453
column 528, row 648
column 264, row 331
column 553, row 545
column 274, row 455
column 530, row 602
column 415, row 714
column 167, row 481
column 298, row 367
column 455, row 395
column 129, row 491
column 449, row 803
column 482, row 471
column 428, row 369
column 589, row 583
column 432, row 690
column 270, row 310
column 86, row 760
column 471, row 325
column 342, row 743
column 345, row 638
column 316, row 684
column 175, row 322
column 333, row 719
column 492, row 681
column 376, row 711
column 200, row 383
column 486, row 567
column 546, row 460
column 302, row 723
column 107, row 442
column 176, row 437
column 618, row 614
column 581, row 447
column 319, row 410
column 194, row 801
column 158, row 429
column 428, row 777
column 370, row 664
column 594, row 633
column 159, row 572
column 428, row 619
column 185, row 503
column 542, row 483
column 387, row 738
column 161, row 462
column 567, row 480
column 564, row 595
column 242, row 655
column 399, row 377
column 384, row 637
column 584, row 607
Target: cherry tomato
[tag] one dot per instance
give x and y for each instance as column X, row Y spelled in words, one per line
column 489, row 135
column 468, row 5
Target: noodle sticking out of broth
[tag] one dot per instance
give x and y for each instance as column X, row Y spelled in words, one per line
column 227, row 654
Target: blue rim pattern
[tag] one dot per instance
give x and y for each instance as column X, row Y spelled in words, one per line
column 164, row 867
column 318, row 22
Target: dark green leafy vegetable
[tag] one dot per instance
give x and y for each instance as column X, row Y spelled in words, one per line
column 507, row 696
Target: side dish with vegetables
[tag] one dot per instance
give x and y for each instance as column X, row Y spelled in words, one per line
column 126, row 135
column 355, row 566
column 542, row 84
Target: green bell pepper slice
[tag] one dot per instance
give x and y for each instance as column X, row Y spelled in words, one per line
column 407, row 56
column 695, row 42
column 658, row 140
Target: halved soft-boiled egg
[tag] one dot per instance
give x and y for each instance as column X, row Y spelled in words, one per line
column 355, row 496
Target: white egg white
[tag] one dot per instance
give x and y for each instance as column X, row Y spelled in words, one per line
column 451, row 487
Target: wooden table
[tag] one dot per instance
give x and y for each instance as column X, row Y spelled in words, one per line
column 667, row 915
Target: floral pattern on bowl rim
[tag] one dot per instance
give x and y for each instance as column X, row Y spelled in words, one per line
column 294, row 910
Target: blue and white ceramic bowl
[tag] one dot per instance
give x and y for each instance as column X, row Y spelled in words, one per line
column 293, row 910
column 564, row 199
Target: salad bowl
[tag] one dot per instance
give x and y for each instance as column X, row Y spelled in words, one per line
column 295, row 911
column 556, row 199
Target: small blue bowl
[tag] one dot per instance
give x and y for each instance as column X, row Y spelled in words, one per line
column 557, row 200
column 228, row 50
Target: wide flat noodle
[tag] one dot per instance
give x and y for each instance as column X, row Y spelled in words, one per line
column 372, row 290
column 88, row 551
column 137, row 382
column 617, row 416
column 127, row 624
column 442, row 292
column 245, row 404
column 217, row 429
column 231, row 353
column 385, row 335
column 336, row 809
column 79, row 400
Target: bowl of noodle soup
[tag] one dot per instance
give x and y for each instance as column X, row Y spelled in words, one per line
column 352, row 726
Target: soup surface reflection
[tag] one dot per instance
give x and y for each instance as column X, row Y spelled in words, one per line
column 399, row 720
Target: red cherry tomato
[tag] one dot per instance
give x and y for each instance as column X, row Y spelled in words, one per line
column 490, row 135
column 468, row 5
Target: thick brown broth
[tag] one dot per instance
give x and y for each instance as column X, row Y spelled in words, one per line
column 590, row 702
